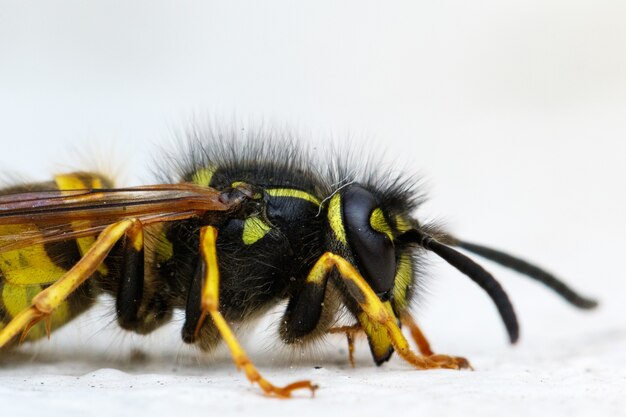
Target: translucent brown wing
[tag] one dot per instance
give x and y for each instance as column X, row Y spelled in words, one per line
column 38, row 217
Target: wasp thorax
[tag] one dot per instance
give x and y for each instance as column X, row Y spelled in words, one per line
column 370, row 238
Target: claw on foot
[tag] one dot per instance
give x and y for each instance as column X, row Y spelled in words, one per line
column 285, row 392
column 451, row 362
column 36, row 316
column 268, row 388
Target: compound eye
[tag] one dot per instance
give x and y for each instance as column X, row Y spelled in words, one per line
column 369, row 237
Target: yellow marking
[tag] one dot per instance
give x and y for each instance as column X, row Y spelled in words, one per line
column 404, row 278
column 76, row 181
column 164, row 248
column 402, row 224
column 294, row 193
column 254, row 229
column 135, row 233
column 203, row 176
column 335, row 218
column 377, row 334
column 317, row 275
column 17, row 298
column 29, row 265
column 379, row 223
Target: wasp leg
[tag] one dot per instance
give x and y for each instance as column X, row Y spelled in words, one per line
column 130, row 286
column 44, row 303
column 304, row 311
column 210, row 306
column 351, row 332
column 376, row 310
column 423, row 345
column 417, row 334
column 355, row 330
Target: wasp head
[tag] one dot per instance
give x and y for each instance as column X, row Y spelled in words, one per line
column 363, row 229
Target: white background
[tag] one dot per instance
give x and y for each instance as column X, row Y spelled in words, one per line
column 514, row 111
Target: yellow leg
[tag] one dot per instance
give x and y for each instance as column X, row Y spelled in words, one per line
column 44, row 303
column 424, row 347
column 417, row 334
column 420, row 340
column 351, row 332
column 210, row 306
column 376, row 311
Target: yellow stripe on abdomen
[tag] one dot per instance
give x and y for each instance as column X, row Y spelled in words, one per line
column 30, row 265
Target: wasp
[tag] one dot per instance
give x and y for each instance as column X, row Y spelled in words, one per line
column 233, row 228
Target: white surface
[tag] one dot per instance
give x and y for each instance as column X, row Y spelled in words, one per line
column 514, row 112
column 578, row 374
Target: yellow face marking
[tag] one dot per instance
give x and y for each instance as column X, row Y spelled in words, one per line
column 254, row 229
column 292, row 192
column 81, row 182
column 335, row 218
column 404, row 277
column 203, row 176
column 379, row 223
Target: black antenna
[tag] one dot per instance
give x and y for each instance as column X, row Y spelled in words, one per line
column 531, row 271
column 474, row 271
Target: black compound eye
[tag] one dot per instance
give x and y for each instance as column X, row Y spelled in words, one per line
column 369, row 238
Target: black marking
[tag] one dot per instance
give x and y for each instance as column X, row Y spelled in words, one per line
column 355, row 291
column 4, row 315
column 64, row 254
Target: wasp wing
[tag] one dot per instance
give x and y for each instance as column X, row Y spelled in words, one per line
column 39, row 217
